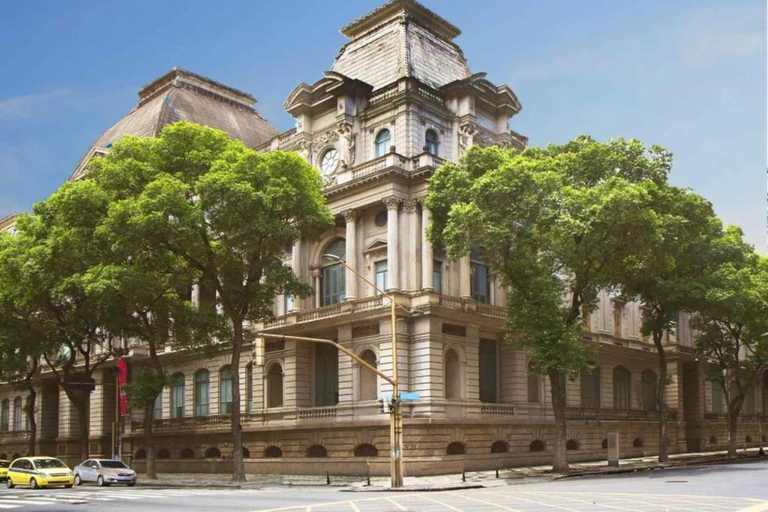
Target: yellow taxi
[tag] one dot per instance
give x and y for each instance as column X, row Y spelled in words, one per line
column 39, row 472
column 4, row 469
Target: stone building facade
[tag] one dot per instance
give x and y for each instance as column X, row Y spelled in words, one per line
column 398, row 101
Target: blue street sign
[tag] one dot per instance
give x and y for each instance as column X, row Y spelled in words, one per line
column 409, row 397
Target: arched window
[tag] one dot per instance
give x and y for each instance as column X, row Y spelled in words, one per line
column 140, row 454
column 326, row 375
column 500, row 447
column 712, row 440
column 621, row 391
column 249, row 388
column 431, row 142
column 650, row 383
column 5, row 411
column 368, row 380
column 534, row 386
column 317, row 451
column 163, row 453
column 202, row 392
column 604, row 446
column 246, row 453
column 488, row 371
column 536, row 446
column 480, row 279
column 212, row 453
column 225, row 390
column 187, row 453
column 157, row 409
column 572, row 444
column 273, row 452
column 3, row 456
column 455, row 448
column 275, row 386
column 637, row 443
column 452, row 376
column 590, row 388
column 382, row 142
column 333, row 275
column 366, row 450
column 177, row 396
column 17, row 414
column 748, row 440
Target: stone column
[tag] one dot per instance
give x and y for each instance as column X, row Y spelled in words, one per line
column 316, row 284
column 427, row 253
column 351, row 255
column 294, row 304
column 412, row 247
column 195, row 295
column 465, row 269
column 393, row 265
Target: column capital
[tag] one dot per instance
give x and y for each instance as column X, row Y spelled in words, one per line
column 392, row 202
column 410, row 205
column 351, row 215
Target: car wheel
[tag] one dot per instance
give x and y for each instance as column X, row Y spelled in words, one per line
column 33, row 484
column 9, row 483
column 100, row 481
column 78, row 481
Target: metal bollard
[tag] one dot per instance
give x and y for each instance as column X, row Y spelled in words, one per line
column 497, row 472
column 327, row 478
column 463, row 476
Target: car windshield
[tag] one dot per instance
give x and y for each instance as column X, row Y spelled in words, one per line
column 3, row 464
column 112, row 464
column 49, row 464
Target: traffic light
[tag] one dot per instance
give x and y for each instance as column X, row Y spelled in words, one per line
column 393, row 405
column 381, row 406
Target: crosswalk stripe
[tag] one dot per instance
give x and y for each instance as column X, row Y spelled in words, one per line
column 4, row 507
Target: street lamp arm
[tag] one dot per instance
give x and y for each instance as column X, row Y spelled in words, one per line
column 330, row 342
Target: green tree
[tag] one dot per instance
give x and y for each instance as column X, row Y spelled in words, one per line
column 50, row 284
column 553, row 224
column 667, row 274
column 226, row 212
column 732, row 319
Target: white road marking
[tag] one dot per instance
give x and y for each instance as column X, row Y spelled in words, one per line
column 504, row 507
column 396, row 504
column 760, row 507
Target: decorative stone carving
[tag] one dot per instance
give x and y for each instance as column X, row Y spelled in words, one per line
column 467, row 134
column 305, row 150
column 392, row 202
column 325, row 138
column 484, row 139
column 346, row 145
column 350, row 215
column 410, row 205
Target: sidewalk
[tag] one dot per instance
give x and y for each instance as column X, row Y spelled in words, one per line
column 473, row 479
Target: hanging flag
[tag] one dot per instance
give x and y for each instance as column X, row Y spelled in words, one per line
column 122, row 380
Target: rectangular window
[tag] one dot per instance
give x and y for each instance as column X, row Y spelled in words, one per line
column 717, row 398
column 334, row 286
column 249, row 388
column 381, row 276
column 157, row 413
column 437, row 276
column 534, row 383
column 480, row 283
column 590, row 389
column 488, row 371
column 287, row 303
column 749, row 400
column 326, row 375
column 17, row 414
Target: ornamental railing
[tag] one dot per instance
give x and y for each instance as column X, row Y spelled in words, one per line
column 316, row 413
column 579, row 413
column 497, row 410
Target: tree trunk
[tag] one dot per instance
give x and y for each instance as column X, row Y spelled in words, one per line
column 733, row 427
column 149, row 442
column 81, row 404
column 30, row 411
column 661, row 397
column 559, row 457
column 238, row 468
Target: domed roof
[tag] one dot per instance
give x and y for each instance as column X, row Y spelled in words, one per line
column 183, row 95
column 402, row 38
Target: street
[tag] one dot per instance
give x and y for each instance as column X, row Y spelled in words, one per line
column 721, row 488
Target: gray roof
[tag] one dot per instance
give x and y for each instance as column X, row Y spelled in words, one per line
column 183, row 95
column 401, row 39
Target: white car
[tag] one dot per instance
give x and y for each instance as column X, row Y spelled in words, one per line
column 104, row 472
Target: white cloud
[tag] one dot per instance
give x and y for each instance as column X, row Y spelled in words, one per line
column 26, row 106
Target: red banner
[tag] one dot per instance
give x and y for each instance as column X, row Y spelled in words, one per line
column 122, row 380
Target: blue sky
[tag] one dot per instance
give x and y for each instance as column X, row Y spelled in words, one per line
column 689, row 75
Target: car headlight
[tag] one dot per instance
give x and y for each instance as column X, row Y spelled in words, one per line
column 71, row 473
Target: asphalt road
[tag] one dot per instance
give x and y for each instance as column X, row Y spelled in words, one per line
column 723, row 488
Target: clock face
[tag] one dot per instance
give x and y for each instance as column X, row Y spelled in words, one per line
column 329, row 162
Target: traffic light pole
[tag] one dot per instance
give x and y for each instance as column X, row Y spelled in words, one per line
column 395, row 416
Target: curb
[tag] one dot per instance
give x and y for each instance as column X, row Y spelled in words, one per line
column 415, row 488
